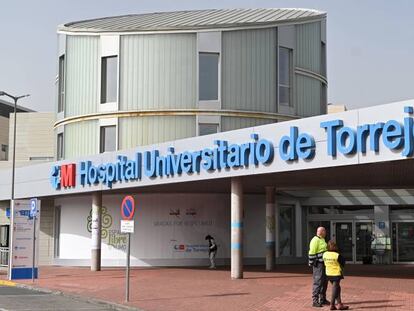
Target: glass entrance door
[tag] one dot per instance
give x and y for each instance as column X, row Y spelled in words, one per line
column 344, row 239
column 403, row 241
column 363, row 236
column 353, row 239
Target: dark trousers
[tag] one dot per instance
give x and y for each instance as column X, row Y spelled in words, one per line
column 336, row 292
column 320, row 283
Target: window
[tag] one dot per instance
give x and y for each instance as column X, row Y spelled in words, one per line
column 323, row 59
column 319, row 210
column 287, row 230
column 401, row 209
column 4, row 154
column 61, row 84
column 285, row 76
column 109, row 74
column 4, row 235
column 208, row 76
column 108, row 138
column 40, row 158
column 207, row 128
column 353, row 209
column 59, row 153
column 324, row 99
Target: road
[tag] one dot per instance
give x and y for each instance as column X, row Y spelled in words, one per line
column 22, row 299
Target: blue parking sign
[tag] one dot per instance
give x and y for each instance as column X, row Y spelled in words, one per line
column 33, row 207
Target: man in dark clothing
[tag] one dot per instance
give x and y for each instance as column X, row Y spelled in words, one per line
column 212, row 251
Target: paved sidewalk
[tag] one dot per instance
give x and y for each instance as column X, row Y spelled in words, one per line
column 288, row 288
column 14, row 298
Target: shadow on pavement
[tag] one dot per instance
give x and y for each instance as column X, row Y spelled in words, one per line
column 378, row 307
column 196, row 297
column 369, row 301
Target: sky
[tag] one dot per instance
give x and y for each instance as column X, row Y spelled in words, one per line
column 370, row 46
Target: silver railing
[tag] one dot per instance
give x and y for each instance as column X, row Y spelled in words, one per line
column 4, row 256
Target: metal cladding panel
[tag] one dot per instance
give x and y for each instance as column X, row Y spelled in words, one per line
column 249, row 70
column 142, row 131
column 81, row 139
column 308, row 46
column 82, row 75
column 158, row 71
column 231, row 123
column 308, row 96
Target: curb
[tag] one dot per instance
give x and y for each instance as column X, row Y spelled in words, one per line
column 7, row 283
column 112, row 305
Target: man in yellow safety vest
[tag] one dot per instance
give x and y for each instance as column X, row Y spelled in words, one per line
column 317, row 247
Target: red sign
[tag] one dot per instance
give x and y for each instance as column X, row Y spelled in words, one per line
column 68, row 175
column 128, row 208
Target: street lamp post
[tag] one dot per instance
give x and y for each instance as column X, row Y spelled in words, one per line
column 15, row 99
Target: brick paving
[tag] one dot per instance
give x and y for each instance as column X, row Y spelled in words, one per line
column 365, row 287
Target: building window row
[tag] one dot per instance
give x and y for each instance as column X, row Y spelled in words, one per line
column 208, row 78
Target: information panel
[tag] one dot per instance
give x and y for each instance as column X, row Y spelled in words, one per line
column 22, row 240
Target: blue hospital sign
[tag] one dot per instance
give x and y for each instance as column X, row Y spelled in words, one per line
column 223, row 155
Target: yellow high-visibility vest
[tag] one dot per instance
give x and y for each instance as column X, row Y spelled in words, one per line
column 333, row 268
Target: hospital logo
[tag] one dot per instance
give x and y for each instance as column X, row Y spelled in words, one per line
column 63, row 176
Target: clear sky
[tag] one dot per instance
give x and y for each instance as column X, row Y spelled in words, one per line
column 370, row 43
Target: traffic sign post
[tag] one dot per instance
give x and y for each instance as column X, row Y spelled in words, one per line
column 127, row 268
column 127, row 226
column 33, row 213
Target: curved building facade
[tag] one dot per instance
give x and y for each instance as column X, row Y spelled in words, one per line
column 136, row 80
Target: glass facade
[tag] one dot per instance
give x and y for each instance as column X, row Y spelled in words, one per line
column 341, row 210
column 403, row 241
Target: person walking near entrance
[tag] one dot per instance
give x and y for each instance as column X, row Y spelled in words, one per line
column 317, row 247
column 212, row 251
column 334, row 264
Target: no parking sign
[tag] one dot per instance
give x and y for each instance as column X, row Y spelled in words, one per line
column 128, row 208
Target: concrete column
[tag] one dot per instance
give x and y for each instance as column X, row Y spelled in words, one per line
column 298, row 231
column 237, row 215
column 270, row 228
column 96, row 231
